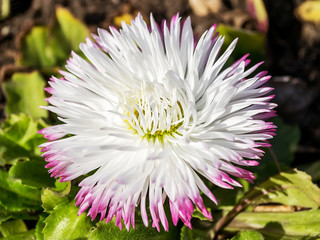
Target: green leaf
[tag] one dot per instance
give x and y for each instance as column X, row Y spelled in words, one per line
column 69, row 31
column 32, row 173
column 10, row 151
column 292, row 225
column 53, row 44
column 51, row 197
column 293, row 188
column 6, row 214
column 313, row 169
column 63, row 223
column 194, row 234
column 197, row 214
column 248, row 235
column 284, row 145
column 33, row 48
column 16, row 196
column 110, row 231
column 19, row 138
column 12, row 227
column 63, row 187
column 25, row 93
column 72, row 29
column 248, row 42
column 39, row 227
column 29, row 235
column 22, row 129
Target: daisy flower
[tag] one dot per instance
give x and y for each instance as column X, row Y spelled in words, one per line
column 149, row 115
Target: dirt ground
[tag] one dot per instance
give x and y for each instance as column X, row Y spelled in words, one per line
column 293, row 47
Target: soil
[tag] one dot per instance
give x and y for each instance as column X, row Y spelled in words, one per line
column 293, row 47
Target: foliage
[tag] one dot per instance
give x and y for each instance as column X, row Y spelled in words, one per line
column 285, row 205
column 64, row 222
column 49, row 52
column 248, row 235
column 19, row 99
column 19, row 138
column 248, row 42
column 280, row 205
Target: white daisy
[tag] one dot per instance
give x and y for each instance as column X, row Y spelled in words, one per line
column 150, row 113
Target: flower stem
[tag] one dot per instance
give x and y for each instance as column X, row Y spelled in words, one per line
column 275, row 159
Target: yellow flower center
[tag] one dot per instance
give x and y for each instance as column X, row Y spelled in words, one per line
column 153, row 115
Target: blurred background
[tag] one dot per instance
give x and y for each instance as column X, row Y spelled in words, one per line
column 285, row 34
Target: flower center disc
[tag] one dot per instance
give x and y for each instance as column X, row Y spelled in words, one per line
column 153, row 114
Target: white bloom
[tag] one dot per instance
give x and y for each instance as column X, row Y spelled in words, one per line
column 150, row 113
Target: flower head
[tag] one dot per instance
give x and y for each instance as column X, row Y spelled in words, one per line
column 151, row 112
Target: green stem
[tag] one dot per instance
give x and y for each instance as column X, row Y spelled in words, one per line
column 275, row 159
